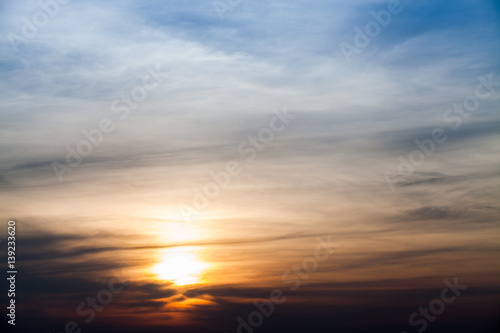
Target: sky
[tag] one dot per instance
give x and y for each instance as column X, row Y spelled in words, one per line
column 251, row 166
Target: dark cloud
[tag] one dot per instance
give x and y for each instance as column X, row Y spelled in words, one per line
column 47, row 245
column 430, row 213
column 153, row 291
column 441, row 179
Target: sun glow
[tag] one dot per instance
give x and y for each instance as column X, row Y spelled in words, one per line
column 180, row 266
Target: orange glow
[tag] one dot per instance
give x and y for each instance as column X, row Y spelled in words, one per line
column 181, row 266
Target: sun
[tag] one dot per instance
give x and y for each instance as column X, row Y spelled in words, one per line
column 180, row 266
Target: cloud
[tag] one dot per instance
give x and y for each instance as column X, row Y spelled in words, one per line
column 49, row 245
column 430, row 213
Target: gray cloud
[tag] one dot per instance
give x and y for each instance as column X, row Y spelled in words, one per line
column 430, row 213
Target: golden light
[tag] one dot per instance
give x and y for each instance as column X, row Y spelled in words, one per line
column 180, row 266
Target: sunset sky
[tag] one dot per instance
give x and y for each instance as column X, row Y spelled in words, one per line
column 198, row 156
